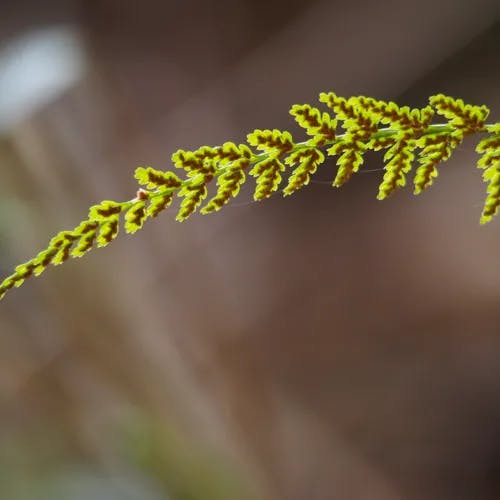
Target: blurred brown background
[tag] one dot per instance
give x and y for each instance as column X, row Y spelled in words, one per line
column 323, row 346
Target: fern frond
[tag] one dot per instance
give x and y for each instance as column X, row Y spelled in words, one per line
column 321, row 126
column 308, row 160
column 352, row 127
column 490, row 161
column 360, row 125
column 228, row 184
column 156, row 179
column 268, row 175
column 461, row 116
column 434, row 150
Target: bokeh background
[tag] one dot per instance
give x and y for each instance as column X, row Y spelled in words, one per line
column 323, row 346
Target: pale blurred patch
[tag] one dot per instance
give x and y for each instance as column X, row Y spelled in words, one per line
column 35, row 68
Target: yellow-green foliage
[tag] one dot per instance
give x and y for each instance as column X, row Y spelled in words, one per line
column 357, row 125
